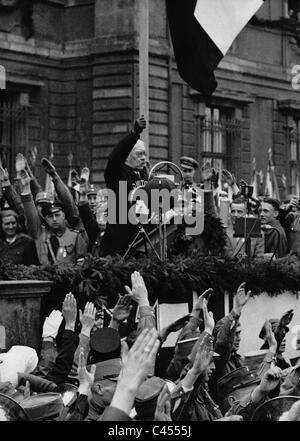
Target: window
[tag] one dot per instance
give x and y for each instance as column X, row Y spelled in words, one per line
column 13, row 128
column 294, row 141
column 220, row 137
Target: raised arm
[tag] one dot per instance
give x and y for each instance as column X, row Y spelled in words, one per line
column 119, row 154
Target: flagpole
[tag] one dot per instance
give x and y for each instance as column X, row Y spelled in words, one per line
column 144, row 66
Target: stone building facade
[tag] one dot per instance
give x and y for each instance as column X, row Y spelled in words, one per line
column 79, row 71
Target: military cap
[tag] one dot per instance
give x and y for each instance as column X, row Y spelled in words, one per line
column 253, row 359
column 149, row 389
column 237, row 379
column 189, row 162
column 108, row 369
column 105, row 342
column 43, row 406
column 146, row 397
column 10, row 410
column 48, row 209
column 185, row 346
column 92, row 190
column 43, row 197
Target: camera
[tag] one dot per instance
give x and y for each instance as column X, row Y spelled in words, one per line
column 247, row 191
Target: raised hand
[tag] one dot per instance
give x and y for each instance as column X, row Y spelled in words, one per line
column 163, row 406
column 270, row 337
column 178, row 324
column 215, row 178
column 294, row 203
column 4, row 178
column 52, row 324
column 86, row 379
column 199, row 304
column 241, row 298
column 122, row 309
column 174, row 327
column 202, row 360
column 85, row 174
column 139, row 124
column 286, row 318
column 206, row 171
column 69, row 311
column 138, row 362
column 24, row 181
column 228, row 177
column 20, row 163
column 87, row 318
column 139, row 292
column 208, row 317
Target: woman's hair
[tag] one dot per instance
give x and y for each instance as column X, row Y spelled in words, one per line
column 6, row 213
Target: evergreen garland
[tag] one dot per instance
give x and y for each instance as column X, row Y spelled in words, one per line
column 172, row 281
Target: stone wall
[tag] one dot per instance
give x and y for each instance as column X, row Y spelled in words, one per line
column 81, row 71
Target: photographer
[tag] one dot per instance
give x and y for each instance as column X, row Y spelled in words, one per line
column 235, row 246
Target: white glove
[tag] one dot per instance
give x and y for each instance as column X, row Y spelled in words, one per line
column 52, row 324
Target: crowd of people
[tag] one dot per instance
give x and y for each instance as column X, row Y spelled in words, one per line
column 97, row 376
column 101, row 374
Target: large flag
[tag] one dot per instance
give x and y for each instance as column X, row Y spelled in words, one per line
column 202, row 31
column 271, row 188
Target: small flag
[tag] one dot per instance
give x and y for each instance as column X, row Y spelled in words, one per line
column 202, row 31
column 271, row 189
column 49, row 186
column 254, row 182
column 70, row 160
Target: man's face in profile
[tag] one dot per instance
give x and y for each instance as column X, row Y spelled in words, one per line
column 138, row 156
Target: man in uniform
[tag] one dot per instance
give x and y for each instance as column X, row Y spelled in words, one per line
column 188, row 167
column 58, row 243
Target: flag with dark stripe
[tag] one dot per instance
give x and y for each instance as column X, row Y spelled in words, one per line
column 202, row 31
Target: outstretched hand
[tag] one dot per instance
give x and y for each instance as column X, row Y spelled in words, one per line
column 138, row 361
column 174, row 327
column 86, row 379
column 139, row 292
column 286, row 318
column 87, row 318
column 270, row 337
column 69, row 311
column 208, row 317
column 228, row 177
column 241, row 298
column 205, row 295
column 122, row 309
